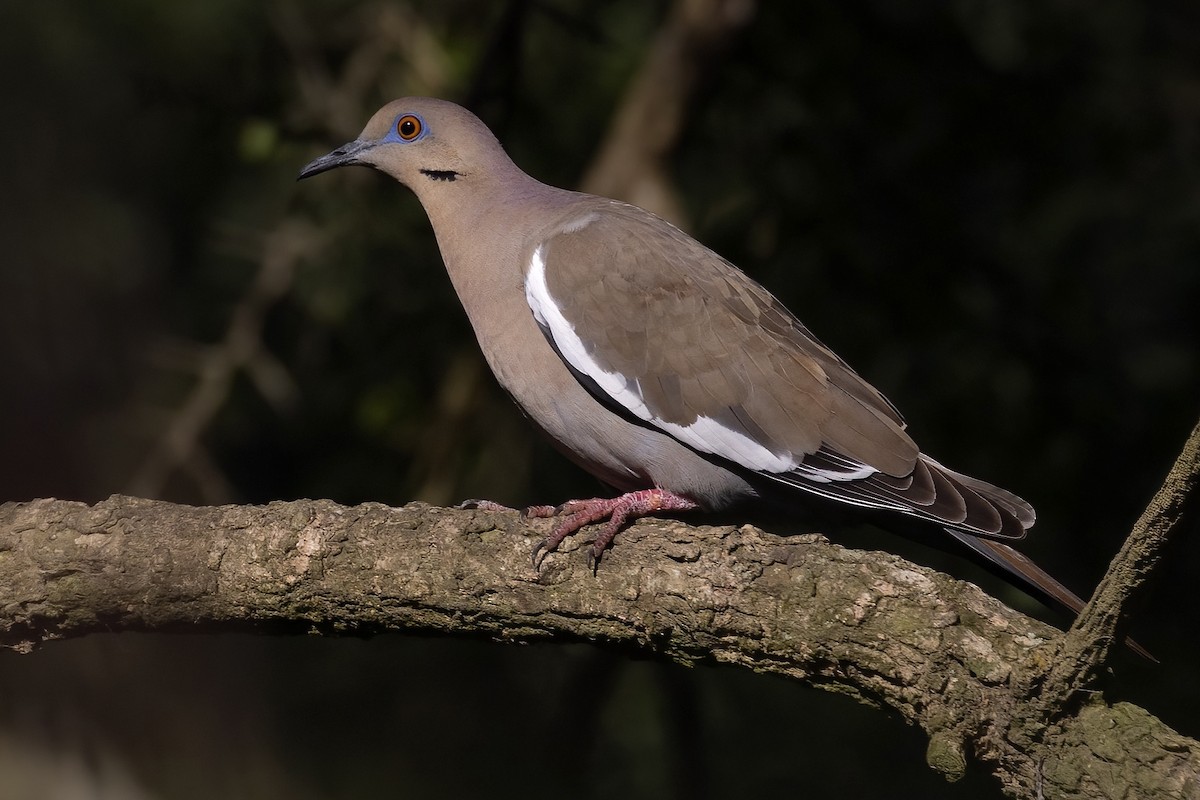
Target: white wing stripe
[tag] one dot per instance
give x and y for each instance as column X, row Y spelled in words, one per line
column 705, row 434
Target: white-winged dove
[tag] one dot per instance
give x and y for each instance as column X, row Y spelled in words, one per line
column 655, row 364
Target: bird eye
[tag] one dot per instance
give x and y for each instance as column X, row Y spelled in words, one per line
column 409, row 127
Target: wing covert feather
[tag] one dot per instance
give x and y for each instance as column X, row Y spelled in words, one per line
column 699, row 339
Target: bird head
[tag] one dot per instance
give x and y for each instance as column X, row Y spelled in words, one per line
column 418, row 141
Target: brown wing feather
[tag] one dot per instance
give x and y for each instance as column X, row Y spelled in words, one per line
column 701, row 339
column 704, row 340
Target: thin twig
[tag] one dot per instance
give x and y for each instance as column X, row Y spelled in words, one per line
column 1086, row 644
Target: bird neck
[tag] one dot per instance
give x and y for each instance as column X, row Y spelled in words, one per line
column 486, row 232
column 484, row 224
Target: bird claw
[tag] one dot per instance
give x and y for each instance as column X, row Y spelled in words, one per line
column 618, row 511
column 550, row 543
column 540, row 512
column 593, row 559
column 577, row 514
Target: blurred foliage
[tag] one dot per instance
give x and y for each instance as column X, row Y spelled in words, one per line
column 991, row 209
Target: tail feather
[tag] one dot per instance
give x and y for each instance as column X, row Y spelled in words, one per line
column 1002, row 498
column 976, row 513
column 948, row 503
column 1016, row 564
column 930, row 492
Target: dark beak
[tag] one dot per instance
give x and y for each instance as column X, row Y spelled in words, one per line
column 346, row 155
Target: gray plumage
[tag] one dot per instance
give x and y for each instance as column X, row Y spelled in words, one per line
column 654, row 363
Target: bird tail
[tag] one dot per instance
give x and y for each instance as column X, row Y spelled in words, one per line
column 976, row 513
column 980, row 516
column 986, row 510
column 930, row 492
column 1015, row 564
column 1012, row 564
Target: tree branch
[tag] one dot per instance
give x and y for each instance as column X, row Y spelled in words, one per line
column 939, row 651
column 1086, row 644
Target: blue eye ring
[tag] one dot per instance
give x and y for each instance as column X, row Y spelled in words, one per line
column 408, row 127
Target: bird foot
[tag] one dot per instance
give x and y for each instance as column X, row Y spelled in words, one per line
column 618, row 510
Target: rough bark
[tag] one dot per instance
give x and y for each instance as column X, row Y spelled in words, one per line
column 951, row 659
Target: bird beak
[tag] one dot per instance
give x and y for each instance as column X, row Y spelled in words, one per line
column 346, row 155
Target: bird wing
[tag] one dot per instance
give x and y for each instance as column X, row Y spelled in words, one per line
column 654, row 323
column 686, row 342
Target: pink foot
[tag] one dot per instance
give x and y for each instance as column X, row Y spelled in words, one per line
column 618, row 511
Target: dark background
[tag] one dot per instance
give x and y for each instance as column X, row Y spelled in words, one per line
column 991, row 209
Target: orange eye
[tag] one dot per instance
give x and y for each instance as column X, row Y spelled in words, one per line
column 409, row 127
